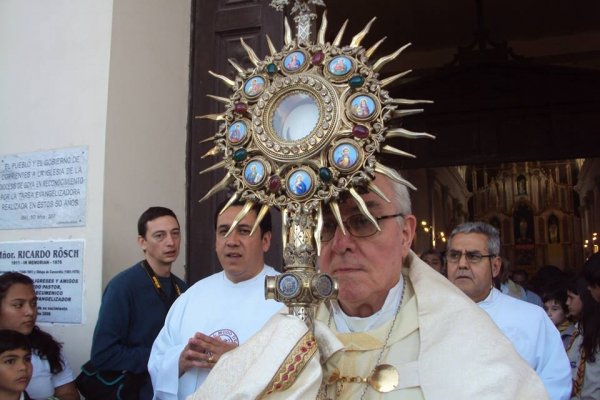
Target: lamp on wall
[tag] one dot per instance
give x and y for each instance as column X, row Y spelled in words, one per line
column 592, row 244
column 430, row 229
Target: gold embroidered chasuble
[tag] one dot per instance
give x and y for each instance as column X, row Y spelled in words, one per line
column 443, row 345
column 362, row 349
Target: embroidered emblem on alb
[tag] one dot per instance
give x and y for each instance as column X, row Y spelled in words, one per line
column 226, row 335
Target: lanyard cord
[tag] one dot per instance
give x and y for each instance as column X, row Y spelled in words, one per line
column 176, row 292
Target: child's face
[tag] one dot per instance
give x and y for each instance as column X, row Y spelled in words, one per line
column 18, row 310
column 555, row 312
column 15, row 371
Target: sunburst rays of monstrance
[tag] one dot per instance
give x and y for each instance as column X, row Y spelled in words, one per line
column 301, row 130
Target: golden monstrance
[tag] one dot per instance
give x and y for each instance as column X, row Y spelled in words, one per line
column 302, row 128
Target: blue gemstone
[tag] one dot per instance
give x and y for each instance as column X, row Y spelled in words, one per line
column 356, row 81
column 271, row 69
column 325, row 174
column 240, row 155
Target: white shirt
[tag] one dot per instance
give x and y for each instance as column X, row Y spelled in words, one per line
column 535, row 338
column 43, row 382
column 345, row 323
column 214, row 306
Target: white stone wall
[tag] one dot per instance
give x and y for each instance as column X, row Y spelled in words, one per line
column 112, row 76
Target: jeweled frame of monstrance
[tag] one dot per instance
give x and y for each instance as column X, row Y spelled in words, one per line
column 301, row 130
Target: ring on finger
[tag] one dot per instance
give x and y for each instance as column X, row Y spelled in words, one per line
column 211, row 359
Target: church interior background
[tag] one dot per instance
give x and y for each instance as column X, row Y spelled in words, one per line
column 516, row 90
column 546, row 211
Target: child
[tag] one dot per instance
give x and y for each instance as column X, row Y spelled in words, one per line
column 15, row 365
column 52, row 375
column 555, row 305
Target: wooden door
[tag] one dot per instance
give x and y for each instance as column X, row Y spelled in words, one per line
column 217, row 26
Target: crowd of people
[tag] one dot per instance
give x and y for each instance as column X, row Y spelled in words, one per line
column 464, row 328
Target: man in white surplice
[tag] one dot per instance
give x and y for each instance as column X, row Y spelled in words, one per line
column 217, row 313
column 473, row 262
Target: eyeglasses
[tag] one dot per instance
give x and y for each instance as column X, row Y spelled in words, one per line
column 472, row 257
column 357, row 225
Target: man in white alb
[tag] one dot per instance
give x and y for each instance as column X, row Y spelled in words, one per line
column 473, row 262
column 217, row 313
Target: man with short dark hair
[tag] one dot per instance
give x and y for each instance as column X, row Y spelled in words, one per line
column 136, row 301
column 473, row 261
column 217, row 313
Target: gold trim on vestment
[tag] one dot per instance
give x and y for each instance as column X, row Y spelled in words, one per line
column 293, row 365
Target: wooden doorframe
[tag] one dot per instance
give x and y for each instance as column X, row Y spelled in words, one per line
column 217, row 27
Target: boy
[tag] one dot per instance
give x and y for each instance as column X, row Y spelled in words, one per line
column 555, row 305
column 15, row 365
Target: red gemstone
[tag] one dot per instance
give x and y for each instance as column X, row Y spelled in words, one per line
column 298, row 358
column 291, row 368
column 240, row 108
column 285, row 377
column 360, row 131
column 274, row 183
column 317, row 58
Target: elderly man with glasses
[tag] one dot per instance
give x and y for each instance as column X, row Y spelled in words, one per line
column 398, row 330
column 473, row 261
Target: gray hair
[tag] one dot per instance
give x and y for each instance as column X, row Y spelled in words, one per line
column 488, row 230
column 401, row 198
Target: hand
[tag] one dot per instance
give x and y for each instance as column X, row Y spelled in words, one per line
column 202, row 351
column 68, row 391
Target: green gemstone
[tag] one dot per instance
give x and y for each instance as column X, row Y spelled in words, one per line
column 271, row 69
column 325, row 174
column 240, row 155
column 356, row 81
